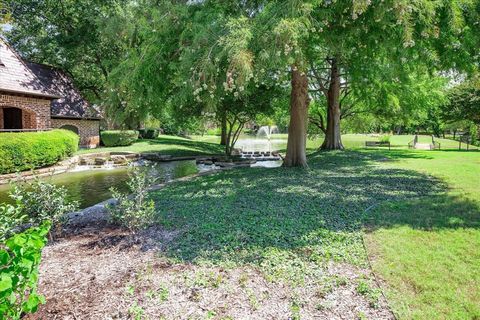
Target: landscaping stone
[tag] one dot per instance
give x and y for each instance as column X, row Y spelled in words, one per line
column 100, row 161
column 119, row 159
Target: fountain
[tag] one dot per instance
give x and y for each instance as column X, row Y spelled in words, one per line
column 267, row 131
column 263, row 147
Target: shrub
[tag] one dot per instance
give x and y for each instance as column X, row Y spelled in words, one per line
column 384, row 139
column 149, row 133
column 40, row 201
column 30, row 150
column 20, row 251
column 19, row 260
column 116, row 138
column 133, row 211
column 10, row 218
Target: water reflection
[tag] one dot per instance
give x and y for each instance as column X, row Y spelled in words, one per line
column 92, row 186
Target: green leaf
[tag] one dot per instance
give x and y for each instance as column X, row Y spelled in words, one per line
column 5, row 283
column 4, row 257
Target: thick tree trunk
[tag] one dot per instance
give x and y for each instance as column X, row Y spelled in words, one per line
column 333, row 138
column 297, row 130
column 223, row 137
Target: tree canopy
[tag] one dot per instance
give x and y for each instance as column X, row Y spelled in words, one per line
column 140, row 59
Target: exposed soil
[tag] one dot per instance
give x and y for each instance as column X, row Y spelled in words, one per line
column 97, row 271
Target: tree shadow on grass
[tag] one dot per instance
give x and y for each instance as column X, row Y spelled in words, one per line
column 283, row 216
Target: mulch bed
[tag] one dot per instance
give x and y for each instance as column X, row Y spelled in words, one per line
column 97, row 271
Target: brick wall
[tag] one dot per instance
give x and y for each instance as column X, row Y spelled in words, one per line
column 36, row 111
column 88, row 130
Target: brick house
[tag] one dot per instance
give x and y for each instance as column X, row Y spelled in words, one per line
column 36, row 97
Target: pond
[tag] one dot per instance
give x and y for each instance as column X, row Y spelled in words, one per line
column 91, row 186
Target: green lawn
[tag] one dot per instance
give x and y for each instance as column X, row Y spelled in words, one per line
column 355, row 141
column 419, row 212
column 208, row 144
column 414, row 215
column 170, row 145
column 427, row 248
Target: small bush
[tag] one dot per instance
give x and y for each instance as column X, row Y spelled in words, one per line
column 19, row 260
column 40, row 201
column 30, row 150
column 10, row 218
column 20, row 251
column 133, row 211
column 384, row 139
column 149, row 133
column 117, row 138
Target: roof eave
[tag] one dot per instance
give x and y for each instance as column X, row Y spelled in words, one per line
column 26, row 93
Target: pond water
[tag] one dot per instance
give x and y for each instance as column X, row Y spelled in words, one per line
column 92, row 186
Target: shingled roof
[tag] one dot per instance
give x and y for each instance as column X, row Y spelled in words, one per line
column 16, row 77
column 22, row 77
column 71, row 104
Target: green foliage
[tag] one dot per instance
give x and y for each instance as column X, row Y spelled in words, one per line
column 41, row 201
column 116, row 138
column 463, row 102
column 133, row 209
column 10, row 218
column 365, row 288
column 31, row 150
column 149, row 133
column 85, row 38
column 474, row 135
column 19, row 260
column 384, row 138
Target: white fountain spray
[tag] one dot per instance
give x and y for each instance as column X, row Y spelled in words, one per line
column 267, row 131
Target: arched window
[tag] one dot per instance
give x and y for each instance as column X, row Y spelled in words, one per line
column 70, row 127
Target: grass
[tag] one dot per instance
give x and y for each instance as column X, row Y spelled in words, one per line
column 209, row 144
column 355, row 141
column 427, row 249
column 418, row 212
column 169, row 145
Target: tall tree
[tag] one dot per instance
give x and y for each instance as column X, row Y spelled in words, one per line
column 463, row 102
column 355, row 42
column 87, row 38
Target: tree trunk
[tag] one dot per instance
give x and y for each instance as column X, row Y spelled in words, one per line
column 333, row 138
column 223, row 138
column 297, row 130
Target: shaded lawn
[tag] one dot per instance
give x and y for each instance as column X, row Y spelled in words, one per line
column 422, row 233
column 168, row 145
column 426, row 249
column 208, row 144
column 237, row 217
column 423, row 236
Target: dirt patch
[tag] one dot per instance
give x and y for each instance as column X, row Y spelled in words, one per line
column 102, row 272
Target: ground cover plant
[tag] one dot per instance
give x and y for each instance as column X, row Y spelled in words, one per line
column 270, row 243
